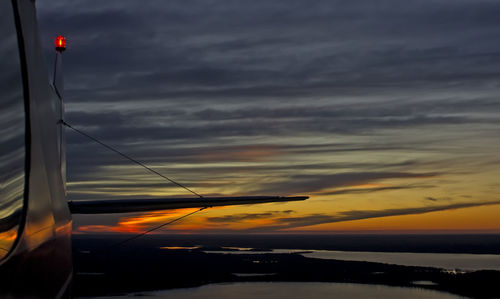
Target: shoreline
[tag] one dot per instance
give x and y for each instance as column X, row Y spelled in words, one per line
column 130, row 270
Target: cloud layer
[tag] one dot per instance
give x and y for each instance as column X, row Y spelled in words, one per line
column 346, row 99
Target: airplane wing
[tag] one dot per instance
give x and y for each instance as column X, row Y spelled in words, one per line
column 151, row 204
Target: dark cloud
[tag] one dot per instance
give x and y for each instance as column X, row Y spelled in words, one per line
column 177, row 53
column 248, row 216
column 315, row 219
column 180, row 47
column 180, row 83
column 258, row 128
column 371, row 190
column 303, row 183
column 87, row 172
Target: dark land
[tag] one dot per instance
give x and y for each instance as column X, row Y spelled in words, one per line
column 103, row 268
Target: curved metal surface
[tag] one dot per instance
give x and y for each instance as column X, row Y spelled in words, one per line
column 12, row 134
column 39, row 265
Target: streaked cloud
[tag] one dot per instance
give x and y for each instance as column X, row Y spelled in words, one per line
column 361, row 104
column 302, row 183
column 375, row 189
column 249, row 216
column 315, row 219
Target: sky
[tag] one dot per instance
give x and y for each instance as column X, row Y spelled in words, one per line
column 385, row 113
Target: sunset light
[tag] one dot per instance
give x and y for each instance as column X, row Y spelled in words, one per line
column 250, row 149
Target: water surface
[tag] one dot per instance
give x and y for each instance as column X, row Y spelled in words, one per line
column 449, row 261
column 284, row 290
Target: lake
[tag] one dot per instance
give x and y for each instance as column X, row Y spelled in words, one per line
column 449, row 261
column 292, row 290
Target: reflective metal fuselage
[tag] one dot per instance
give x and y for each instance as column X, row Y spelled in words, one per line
column 35, row 222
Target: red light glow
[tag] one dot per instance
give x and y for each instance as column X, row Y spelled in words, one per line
column 60, row 43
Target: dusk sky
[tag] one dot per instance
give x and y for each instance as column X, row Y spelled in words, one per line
column 386, row 113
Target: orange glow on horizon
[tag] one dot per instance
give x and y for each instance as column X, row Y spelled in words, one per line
column 482, row 218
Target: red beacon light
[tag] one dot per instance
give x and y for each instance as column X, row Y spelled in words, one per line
column 60, row 43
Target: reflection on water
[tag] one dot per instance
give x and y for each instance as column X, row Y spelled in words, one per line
column 179, row 247
column 301, row 290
